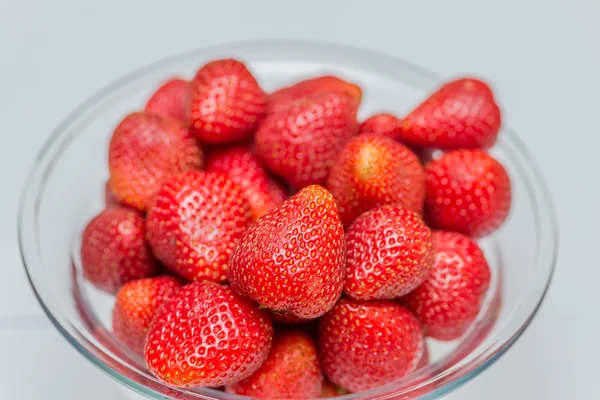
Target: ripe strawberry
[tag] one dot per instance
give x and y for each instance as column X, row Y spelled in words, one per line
column 226, row 103
column 450, row 298
column 169, row 100
column 136, row 305
column 281, row 98
column 389, row 254
column 293, row 258
column 113, row 250
column 206, row 335
column 144, row 151
column 291, row 371
column 460, row 114
column 368, row 344
column 383, row 124
column 332, row 390
column 373, row 170
column 246, row 171
column 467, row 191
column 301, row 142
column 195, row 222
column 110, row 200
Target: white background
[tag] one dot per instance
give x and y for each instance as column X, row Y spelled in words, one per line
column 543, row 57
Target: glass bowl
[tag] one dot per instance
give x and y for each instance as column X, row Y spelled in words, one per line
column 65, row 189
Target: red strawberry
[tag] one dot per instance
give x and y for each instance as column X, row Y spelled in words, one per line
column 383, row 124
column 136, row 305
column 450, row 299
column 195, row 222
column 332, row 390
column 281, row 98
column 245, row 170
column 460, row 114
column 113, row 250
column 301, row 142
column 206, row 335
column 467, row 191
column 226, row 103
column 169, row 100
column 364, row 345
column 293, row 258
column 144, row 151
column 373, row 170
column 389, row 253
column 110, row 200
column 291, row 371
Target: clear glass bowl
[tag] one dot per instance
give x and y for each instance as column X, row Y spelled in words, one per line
column 65, row 189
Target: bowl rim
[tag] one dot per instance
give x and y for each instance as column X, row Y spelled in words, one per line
column 457, row 374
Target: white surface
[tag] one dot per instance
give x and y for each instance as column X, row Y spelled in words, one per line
column 543, row 57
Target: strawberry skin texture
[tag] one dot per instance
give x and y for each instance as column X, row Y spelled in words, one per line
column 460, row 114
column 388, row 254
column 291, row 371
column 137, row 303
column 293, row 259
column 467, row 191
column 382, row 124
column 226, row 102
column 195, row 222
column 301, row 142
column 281, row 98
column 170, row 99
column 373, row 170
column 144, row 151
column 364, row 345
column 113, row 250
column 246, row 171
column 206, row 335
column 450, row 299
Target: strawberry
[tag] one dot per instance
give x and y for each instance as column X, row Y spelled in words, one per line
column 293, row 258
column 388, row 125
column 364, row 345
column 467, row 191
column 281, row 98
column 169, row 100
column 245, row 170
column 373, row 170
column 113, row 250
column 195, row 222
column 331, row 390
column 450, row 299
column 136, row 305
column 301, row 142
column 389, row 253
column 144, row 151
column 206, row 335
column 460, row 114
column 291, row 371
column 226, row 102
column 382, row 124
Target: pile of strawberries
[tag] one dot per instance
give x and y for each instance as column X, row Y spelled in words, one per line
column 271, row 245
